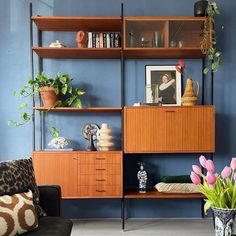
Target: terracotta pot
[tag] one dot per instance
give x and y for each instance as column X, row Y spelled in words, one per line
column 48, row 96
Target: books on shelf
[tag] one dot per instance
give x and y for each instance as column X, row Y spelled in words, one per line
column 104, row 40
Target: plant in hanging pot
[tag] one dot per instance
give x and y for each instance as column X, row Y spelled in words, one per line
column 220, row 193
column 56, row 92
column 209, row 38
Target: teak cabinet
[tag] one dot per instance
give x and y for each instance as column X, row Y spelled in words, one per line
column 81, row 174
column 169, row 129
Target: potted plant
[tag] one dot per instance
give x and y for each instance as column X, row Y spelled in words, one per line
column 209, row 39
column 56, row 92
column 220, row 193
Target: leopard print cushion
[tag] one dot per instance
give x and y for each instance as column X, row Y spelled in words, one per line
column 16, row 176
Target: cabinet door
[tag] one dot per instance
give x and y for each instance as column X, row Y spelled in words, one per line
column 199, row 129
column 144, row 129
column 57, row 168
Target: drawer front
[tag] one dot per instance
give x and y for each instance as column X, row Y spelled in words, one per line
column 98, row 158
column 99, row 191
column 99, row 169
column 99, row 180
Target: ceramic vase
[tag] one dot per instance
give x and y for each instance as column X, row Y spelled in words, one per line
column 190, row 97
column 200, row 8
column 105, row 138
column 224, row 221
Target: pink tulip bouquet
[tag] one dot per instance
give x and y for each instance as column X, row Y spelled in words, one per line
column 220, row 190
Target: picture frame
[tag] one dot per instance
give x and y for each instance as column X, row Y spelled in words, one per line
column 162, row 85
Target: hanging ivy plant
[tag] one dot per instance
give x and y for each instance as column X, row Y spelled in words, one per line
column 209, row 41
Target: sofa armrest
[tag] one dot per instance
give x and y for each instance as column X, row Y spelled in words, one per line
column 50, row 199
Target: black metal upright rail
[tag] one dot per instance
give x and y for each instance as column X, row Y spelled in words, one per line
column 32, row 72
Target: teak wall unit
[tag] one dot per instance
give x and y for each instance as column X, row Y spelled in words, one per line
column 84, row 174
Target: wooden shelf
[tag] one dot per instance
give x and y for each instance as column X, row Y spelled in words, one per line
column 75, row 109
column 153, row 194
column 78, row 53
column 163, row 53
column 65, row 23
column 81, row 152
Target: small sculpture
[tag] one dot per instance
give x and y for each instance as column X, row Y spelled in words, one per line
column 190, row 97
column 89, row 132
column 57, row 44
column 142, row 178
column 59, row 142
column 81, row 39
column 105, row 138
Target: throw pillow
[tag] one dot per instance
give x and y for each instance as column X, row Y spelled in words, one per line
column 18, row 175
column 176, row 188
column 17, row 214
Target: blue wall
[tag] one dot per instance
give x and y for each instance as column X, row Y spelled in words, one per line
column 101, row 80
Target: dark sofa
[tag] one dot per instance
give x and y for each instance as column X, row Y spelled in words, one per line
column 52, row 224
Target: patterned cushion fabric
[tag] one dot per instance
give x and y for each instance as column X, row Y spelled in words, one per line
column 18, row 175
column 17, row 214
column 176, row 188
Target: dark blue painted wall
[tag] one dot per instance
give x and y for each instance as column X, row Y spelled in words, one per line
column 101, row 80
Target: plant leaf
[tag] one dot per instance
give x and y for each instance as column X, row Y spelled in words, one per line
column 206, row 70
column 23, row 105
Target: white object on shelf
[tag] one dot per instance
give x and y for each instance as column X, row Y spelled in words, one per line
column 105, row 138
column 57, row 44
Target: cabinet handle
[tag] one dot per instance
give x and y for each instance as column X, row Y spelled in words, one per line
column 100, row 191
column 74, row 158
column 100, row 158
column 100, row 169
column 100, row 180
column 169, row 111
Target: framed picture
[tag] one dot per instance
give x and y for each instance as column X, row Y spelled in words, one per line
column 163, row 85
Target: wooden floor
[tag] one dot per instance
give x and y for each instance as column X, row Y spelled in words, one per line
column 144, row 227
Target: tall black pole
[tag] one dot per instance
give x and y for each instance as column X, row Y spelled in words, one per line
column 32, row 73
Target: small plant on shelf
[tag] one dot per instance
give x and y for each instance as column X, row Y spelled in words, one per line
column 56, row 92
column 209, row 40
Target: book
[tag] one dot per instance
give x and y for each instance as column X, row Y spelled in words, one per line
column 108, row 40
column 90, row 44
column 97, row 41
column 101, row 40
column 93, row 40
column 104, row 40
column 117, row 40
column 112, row 41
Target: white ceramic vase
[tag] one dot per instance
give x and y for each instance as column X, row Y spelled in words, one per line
column 104, row 136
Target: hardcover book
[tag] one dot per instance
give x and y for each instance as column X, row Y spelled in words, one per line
column 101, row 40
column 97, row 41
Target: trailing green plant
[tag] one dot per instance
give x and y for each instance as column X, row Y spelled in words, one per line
column 209, row 40
column 63, row 87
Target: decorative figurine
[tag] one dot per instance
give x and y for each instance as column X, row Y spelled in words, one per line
column 89, row 132
column 190, row 97
column 81, row 39
column 59, row 142
column 57, row 44
column 142, row 178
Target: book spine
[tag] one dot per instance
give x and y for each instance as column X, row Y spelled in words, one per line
column 108, row 40
column 97, row 40
column 101, row 40
column 93, row 40
column 117, row 40
column 112, row 42
column 104, row 40
column 90, row 40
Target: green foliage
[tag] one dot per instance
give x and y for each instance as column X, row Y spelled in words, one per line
column 63, row 87
column 208, row 43
column 221, row 195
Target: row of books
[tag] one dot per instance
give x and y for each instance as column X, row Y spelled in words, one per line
column 104, row 40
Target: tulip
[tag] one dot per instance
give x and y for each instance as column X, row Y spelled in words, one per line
column 210, row 166
column 226, row 172
column 202, row 161
column 210, row 178
column 233, row 163
column 182, row 63
column 179, row 69
column 195, row 178
column 197, row 169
